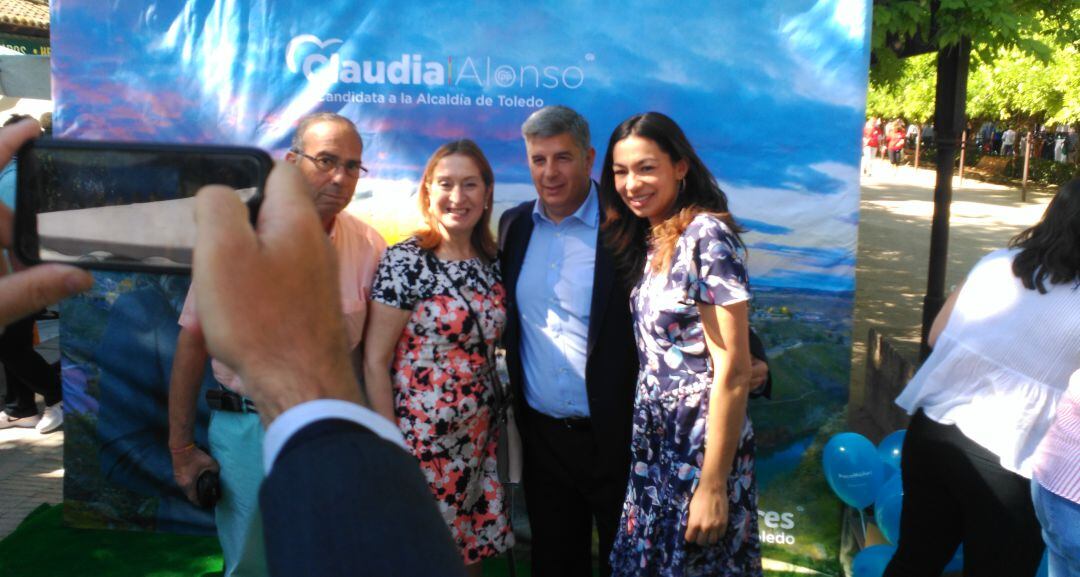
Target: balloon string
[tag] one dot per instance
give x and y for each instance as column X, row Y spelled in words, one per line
column 862, row 518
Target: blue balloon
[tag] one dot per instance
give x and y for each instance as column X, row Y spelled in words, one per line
column 887, row 507
column 852, row 469
column 957, row 563
column 872, row 561
column 890, row 449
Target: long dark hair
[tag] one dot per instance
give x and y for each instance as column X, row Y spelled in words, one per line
column 1050, row 250
column 627, row 235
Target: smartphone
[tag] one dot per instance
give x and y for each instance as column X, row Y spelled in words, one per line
column 123, row 205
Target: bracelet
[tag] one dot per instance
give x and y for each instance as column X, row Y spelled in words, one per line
column 183, row 449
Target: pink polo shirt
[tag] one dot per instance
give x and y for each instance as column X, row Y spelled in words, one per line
column 359, row 248
column 1057, row 460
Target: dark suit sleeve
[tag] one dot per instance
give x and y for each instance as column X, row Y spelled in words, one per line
column 340, row 500
column 507, row 220
column 504, row 225
column 757, row 350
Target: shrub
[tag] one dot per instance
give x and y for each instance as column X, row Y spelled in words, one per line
column 1042, row 170
column 928, row 154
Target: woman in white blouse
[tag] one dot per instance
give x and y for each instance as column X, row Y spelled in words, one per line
column 1004, row 344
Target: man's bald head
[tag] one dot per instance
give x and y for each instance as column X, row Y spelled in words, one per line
column 327, row 148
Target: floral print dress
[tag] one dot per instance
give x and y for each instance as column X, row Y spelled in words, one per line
column 670, row 411
column 442, row 399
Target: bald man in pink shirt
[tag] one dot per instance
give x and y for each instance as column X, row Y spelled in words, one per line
column 327, row 149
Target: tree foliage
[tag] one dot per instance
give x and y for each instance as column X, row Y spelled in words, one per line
column 905, row 28
column 910, row 98
column 1032, row 78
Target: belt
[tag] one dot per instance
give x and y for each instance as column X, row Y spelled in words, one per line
column 224, row 400
column 570, row 423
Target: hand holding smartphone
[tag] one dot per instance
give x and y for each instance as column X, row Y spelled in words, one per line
column 123, row 206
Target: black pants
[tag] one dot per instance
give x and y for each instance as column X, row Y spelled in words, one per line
column 25, row 371
column 565, row 492
column 957, row 492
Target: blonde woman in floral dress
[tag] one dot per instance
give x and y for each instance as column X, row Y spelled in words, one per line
column 437, row 312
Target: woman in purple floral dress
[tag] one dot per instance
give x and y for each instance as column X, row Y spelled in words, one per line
column 691, row 503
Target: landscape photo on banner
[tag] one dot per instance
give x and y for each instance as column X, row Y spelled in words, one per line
column 771, row 94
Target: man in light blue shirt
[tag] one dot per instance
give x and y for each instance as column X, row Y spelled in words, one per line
column 570, row 350
column 553, row 294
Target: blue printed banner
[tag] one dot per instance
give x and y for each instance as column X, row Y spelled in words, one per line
column 771, row 94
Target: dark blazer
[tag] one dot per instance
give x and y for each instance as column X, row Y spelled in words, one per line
column 757, row 350
column 612, row 363
column 341, row 500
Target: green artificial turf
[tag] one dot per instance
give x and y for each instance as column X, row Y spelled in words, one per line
column 500, row 567
column 43, row 547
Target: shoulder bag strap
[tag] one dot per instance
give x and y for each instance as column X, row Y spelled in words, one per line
column 502, row 401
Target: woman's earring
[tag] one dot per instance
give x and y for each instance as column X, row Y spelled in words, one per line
column 682, row 185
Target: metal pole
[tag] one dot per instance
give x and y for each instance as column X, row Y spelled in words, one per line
column 949, row 105
column 1027, row 157
column 963, row 148
column 918, row 138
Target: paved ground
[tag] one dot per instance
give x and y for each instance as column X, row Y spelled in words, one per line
column 894, row 249
column 31, row 464
column 894, row 239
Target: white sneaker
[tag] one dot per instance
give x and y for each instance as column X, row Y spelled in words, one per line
column 52, row 419
column 7, row 421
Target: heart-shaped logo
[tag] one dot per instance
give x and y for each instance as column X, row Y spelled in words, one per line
column 298, row 41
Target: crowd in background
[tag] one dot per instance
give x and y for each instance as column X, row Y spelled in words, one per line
column 1058, row 143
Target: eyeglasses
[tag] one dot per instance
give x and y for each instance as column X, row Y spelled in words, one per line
column 328, row 163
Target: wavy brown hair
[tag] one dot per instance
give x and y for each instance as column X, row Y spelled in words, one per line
column 628, row 236
column 1050, row 250
column 428, row 234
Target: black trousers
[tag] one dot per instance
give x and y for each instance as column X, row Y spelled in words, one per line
column 957, row 492
column 25, row 371
column 566, row 491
